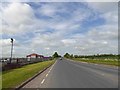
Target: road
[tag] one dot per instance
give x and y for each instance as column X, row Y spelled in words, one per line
column 71, row 74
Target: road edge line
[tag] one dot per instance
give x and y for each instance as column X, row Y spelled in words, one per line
column 30, row 79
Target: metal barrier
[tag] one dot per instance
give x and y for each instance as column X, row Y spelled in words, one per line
column 18, row 62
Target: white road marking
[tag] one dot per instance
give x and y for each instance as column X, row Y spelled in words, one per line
column 55, row 63
column 96, row 64
column 50, row 68
column 42, row 81
column 46, row 75
column 49, row 72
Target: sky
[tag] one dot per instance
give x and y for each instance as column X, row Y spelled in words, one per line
column 82, row 28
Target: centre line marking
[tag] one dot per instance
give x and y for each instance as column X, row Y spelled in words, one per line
column 42, row 81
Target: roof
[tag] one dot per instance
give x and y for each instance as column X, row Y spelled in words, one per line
column 34, row 54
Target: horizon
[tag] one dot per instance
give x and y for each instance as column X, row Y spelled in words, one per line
column 62, row 55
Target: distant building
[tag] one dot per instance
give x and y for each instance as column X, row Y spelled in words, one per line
column 34, row 55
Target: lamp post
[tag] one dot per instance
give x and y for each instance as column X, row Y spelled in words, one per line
column 11, row 49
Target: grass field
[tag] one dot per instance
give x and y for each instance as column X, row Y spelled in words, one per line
column 12, row 78
column 101, row 61
column 0, row 80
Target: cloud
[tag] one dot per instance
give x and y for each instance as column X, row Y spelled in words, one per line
column 5, row 45
column 101, row 1
column 61, row 1
column 108, row 10
column 103, row 6
column 105, row 32
column 47, row 48
column 17, row 17
column 17, row 13
column 111, row 17
column 103, row 39
column 5, row 42
column 47, row 10
column 61, row 27
column 68, row 42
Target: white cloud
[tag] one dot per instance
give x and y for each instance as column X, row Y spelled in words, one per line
column 81, row 14
column 61, row 1
column 17, row 13
column 5, row 42
column 68, row 42
column 111, row 17
column 102, row 39
column 19, row 18
column 5, row 45
column 47, row 10
column 101, row 1
column 47, row 48
column 103, row 6
column 108, row 10
column 105, row 32
column 16, row 17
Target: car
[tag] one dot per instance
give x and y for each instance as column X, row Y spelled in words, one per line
column 3, row 60
column 60, row 58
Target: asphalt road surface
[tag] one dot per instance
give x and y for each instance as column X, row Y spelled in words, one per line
column 71, row 74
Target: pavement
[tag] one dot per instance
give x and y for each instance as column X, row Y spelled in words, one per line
column 71, row 74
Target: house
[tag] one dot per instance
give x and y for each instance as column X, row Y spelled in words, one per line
column 34, row 55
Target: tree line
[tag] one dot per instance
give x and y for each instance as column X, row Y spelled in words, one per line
column 103, row 56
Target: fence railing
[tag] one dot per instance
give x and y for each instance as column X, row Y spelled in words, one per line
column 18, row 62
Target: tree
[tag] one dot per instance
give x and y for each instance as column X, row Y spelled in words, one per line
column 71, row 56
column 67, row 55
column 76, row 56
column 55, row 55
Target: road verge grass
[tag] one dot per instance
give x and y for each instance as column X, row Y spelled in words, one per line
column 101, row 61
column 15, row 77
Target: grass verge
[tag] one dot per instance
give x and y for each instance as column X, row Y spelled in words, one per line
column 14, row 77
column 106, row 62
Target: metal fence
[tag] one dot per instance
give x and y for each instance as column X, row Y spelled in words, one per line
column 15, row 62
